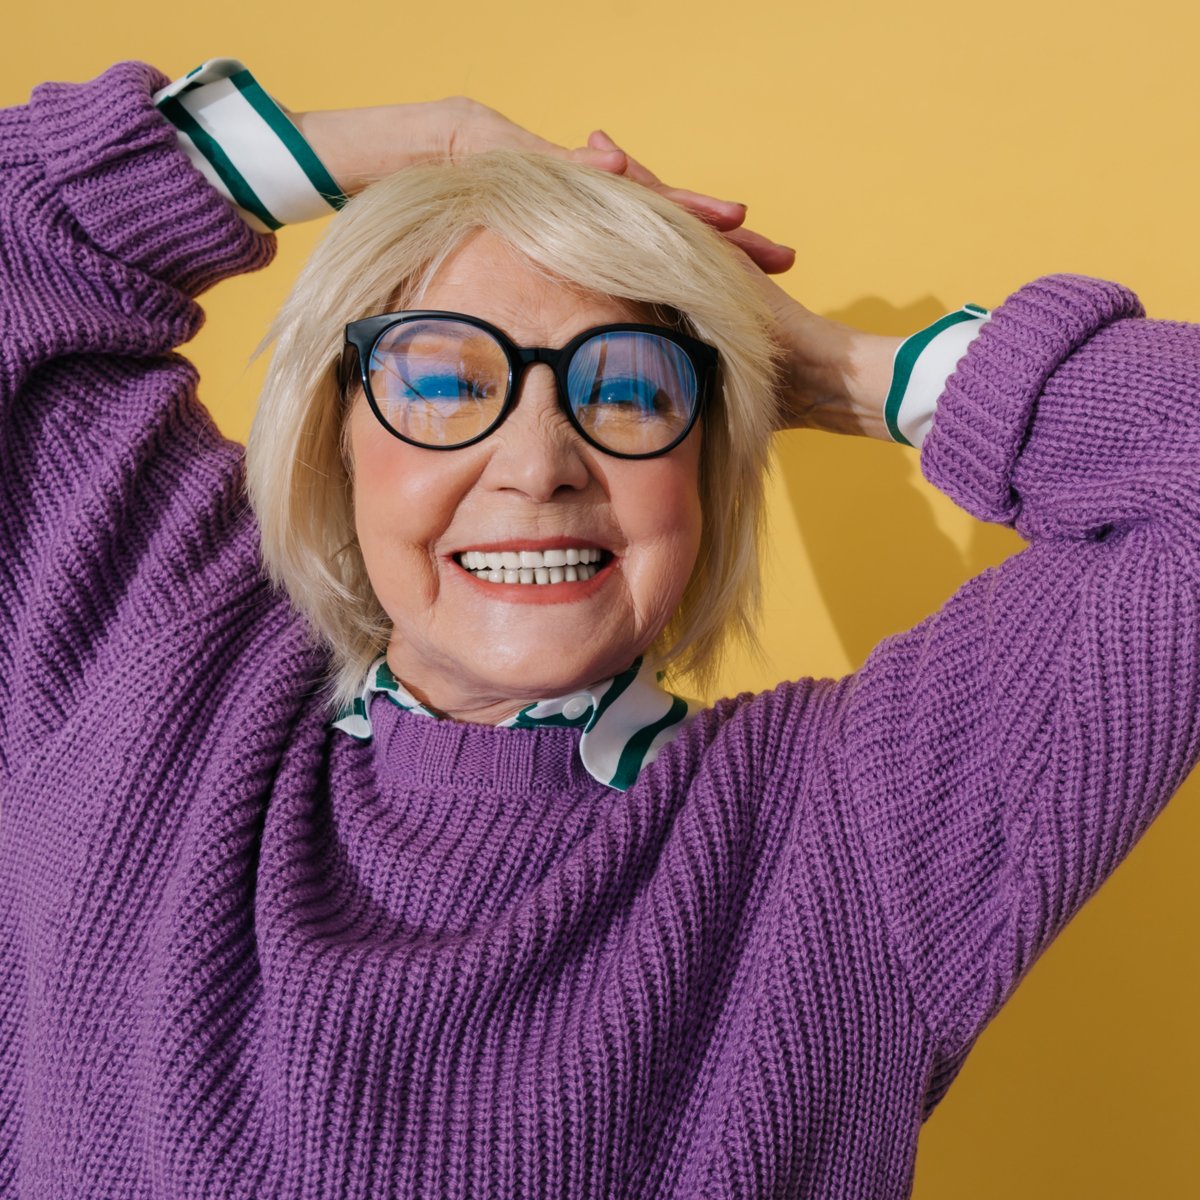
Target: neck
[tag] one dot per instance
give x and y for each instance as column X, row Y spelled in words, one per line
column 479, row 713
column 448, row 694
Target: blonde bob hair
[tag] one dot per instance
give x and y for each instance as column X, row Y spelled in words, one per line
column 585, row 228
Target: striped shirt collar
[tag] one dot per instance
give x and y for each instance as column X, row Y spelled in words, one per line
column 623, row 722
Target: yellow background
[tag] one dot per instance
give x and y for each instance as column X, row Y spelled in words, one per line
column 918, row 155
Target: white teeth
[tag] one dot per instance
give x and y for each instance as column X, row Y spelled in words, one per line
column 532, row 566
column 514, row 560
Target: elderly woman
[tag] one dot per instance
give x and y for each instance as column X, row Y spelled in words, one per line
column 399, row 874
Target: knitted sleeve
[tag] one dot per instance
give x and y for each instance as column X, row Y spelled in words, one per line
column 1005, row 754
column 121, row 506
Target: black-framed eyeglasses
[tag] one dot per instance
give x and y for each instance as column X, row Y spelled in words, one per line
column 445, row 380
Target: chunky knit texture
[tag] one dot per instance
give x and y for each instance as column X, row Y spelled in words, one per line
column 243, row 955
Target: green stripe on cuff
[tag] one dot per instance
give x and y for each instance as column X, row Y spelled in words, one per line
column 241, row 191
column 291, row 137
column 906, row 357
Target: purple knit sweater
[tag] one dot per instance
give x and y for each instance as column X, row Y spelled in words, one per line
column 243, row 955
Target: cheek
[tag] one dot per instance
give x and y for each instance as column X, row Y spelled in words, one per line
column 659, row 510
column 404, row 498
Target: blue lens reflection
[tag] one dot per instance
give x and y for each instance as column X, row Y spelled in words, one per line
column 632, row 392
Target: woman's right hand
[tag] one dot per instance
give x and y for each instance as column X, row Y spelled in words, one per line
column 770, row 257
column 359, row 145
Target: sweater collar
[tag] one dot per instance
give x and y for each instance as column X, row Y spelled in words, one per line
column 623, row 721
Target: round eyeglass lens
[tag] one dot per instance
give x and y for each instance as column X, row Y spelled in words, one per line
column 438, row 382
column 634, row 393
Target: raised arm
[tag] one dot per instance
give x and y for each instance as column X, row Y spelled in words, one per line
column 109, row 234
column 1003, row 756
column 116, row 491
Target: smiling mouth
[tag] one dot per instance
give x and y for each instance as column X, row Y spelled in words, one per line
column 575, row 564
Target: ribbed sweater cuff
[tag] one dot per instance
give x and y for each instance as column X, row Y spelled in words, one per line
column 119, row 169
column 983, row 416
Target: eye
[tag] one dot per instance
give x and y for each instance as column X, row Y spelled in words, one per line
column 446, row 385
column 414, row 382
column 635, row 393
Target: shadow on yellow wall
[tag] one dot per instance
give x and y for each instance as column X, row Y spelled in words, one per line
column 1083, row 1086
column 879, row 560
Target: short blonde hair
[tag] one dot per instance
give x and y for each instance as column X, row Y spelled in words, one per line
column 584, row 227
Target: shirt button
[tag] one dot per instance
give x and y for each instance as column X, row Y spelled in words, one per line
column 576, row 707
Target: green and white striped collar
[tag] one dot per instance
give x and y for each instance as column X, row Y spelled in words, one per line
column 624, row 721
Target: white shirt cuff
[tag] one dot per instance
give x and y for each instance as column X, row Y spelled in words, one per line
column 246, row 147
column 922, row 364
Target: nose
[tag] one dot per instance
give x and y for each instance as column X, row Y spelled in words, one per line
column 536, row 450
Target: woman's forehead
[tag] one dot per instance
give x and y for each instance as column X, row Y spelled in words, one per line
column 486, row 277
